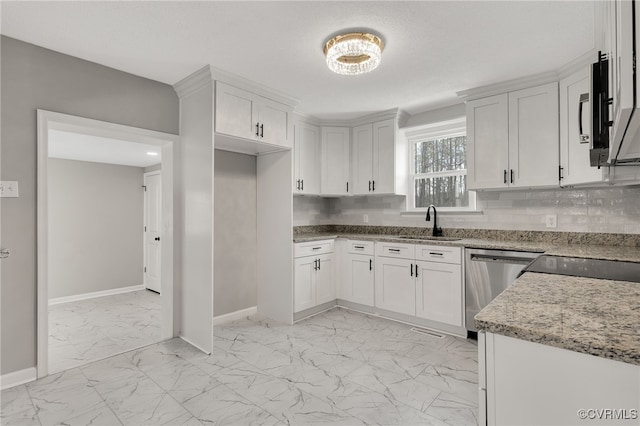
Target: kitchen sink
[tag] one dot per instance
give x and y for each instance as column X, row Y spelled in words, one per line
column 428, row 237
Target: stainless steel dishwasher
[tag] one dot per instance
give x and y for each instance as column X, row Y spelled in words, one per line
column 487, row 274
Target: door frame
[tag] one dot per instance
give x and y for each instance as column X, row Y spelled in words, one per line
column 168, row 143
column 144, row 233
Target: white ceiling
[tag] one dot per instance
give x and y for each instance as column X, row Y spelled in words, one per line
column 433, row 48
column 81, row 147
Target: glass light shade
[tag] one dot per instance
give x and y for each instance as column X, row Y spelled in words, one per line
column 353, row 53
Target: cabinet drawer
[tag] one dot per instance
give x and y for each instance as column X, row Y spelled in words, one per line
column 313, row 248
column 360, row 247
column 399, row 250
column 442, row 254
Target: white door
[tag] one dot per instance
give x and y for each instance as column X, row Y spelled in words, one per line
column 274, row 122
column 236, row 112
column 309, row 151
column 488, row 142
column 335, row 161
column 534, row 142
column 304, row 291
column 362, row 171
column 395, row 285
column 574, row 150
column 384, row 150
column 439, row 292
column 152, row 231
column 325, row 279
column 358, row 284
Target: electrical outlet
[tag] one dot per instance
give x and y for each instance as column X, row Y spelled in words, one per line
column 8, row 189
column 365, row 218
column 551, row 220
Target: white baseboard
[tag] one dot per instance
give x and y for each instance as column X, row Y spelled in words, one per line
column 232, row 316
column 84, row 296
column 16, row 378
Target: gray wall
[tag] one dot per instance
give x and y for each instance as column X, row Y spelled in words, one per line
column 95, row 227
column 235, row 238
column 32, row 78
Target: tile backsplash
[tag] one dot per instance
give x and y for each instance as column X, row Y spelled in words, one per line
column 608, row 210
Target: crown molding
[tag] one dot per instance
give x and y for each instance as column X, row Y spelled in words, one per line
column 508, row 86
column 209, row 74
column 252, row 86
column 395, row 113
column 193, row 82
column 578, row 63
column 530, row 81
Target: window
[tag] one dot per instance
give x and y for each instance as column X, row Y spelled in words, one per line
column 438, row 167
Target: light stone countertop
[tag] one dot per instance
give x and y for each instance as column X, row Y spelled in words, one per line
column 587, row 315
column 613, row 252
column 591, row 316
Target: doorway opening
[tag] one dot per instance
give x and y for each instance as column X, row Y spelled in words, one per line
column 101, row 187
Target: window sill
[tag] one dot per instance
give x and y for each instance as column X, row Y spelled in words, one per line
column 443, row 212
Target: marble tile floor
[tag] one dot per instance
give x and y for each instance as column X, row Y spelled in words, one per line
column 89, row 330
column 339, row 367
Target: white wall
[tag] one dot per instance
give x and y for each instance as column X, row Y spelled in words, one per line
column 95, row 227
column 609, row 210
column 235, row 215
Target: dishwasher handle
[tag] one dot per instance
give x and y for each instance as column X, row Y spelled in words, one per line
column 501, row 259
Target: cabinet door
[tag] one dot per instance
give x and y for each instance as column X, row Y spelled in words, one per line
column 574, row 152
column 236, row 112
column 308, row 147
column 384, row 157
column 362, row 170
column 487, row 142
column 335, row 161
column 534, row 136
column 358, row 280
column 274, row 122
column 304, row 283
column 395, row 285
column 326, row 279
column 439, row 292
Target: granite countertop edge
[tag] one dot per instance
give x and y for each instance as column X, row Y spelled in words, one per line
column 556, row 315
column 619, row 253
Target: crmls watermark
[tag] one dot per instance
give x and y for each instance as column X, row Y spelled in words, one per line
column 608, row 414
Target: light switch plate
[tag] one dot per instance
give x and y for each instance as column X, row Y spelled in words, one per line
column 9, row 189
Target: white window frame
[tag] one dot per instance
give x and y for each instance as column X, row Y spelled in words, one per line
column 450, row 128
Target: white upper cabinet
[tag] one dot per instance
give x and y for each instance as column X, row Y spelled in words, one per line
column 384, row 157
column 335, row 161
column 379, row 159
column 362, row 169
column 306, row 152
column 534, row 136
column 246, row 115
column 487, row 142
column 513, row 139
column 575, row 127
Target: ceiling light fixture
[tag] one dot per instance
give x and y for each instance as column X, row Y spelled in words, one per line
column 353, row 53
column 152, row 153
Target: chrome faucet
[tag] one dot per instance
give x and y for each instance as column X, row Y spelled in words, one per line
column 437, row 232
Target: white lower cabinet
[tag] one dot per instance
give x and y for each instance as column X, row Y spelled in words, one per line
column 325, row 279
column 409, row 282
column 358, row 273
column 395, row 285
column 529, row 383
column 439, row 292
column 314, row 274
